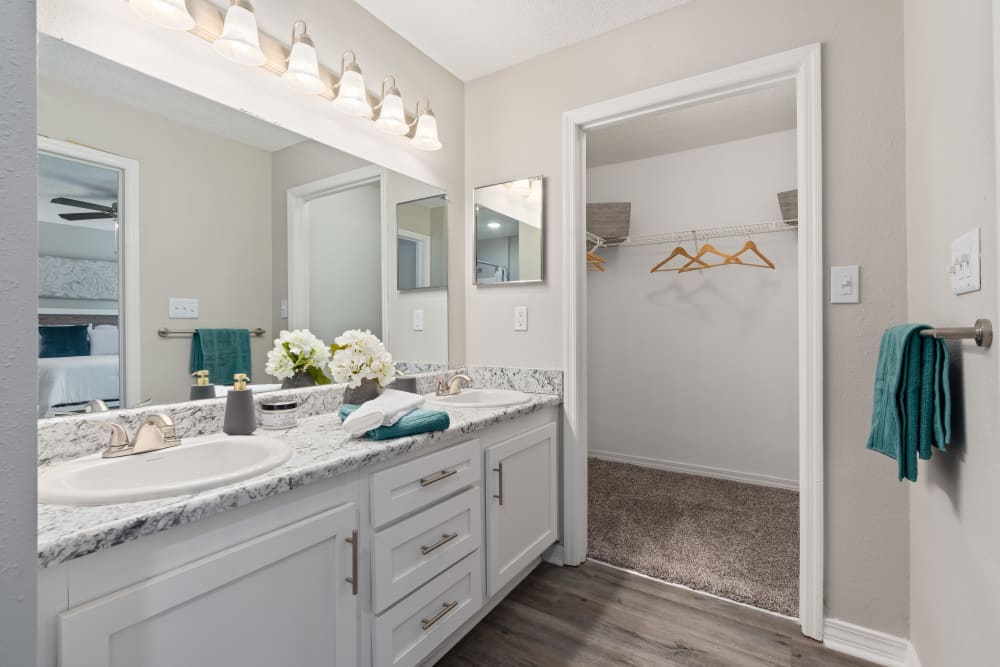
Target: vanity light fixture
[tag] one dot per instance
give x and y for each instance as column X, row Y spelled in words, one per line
column 391, row 115
column 351, row 97
column 302, row 73
column 239, row 41
column 425, row 137
column 169, row 14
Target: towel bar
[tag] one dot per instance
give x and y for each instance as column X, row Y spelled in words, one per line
column 164, row 332
column 981, row 332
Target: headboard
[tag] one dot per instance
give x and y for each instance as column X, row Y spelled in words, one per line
column 52, row 318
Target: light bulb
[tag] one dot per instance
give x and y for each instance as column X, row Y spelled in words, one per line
column 170, row 14
column 493, row 225
column 239, row 41
column 302, row 73
column 426, row 136
column 392, row 118
column 352, row 97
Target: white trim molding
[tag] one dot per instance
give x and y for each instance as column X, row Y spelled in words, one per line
column 872, row 645
column 695, row 469
column 801, row 65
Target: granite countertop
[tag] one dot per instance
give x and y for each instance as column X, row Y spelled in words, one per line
column 321, row 449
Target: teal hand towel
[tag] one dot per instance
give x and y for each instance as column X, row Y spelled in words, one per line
column 222, row 352
column 418, row 421
column 912, row 403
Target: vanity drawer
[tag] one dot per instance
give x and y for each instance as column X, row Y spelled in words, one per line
column 410, row 631
column 416, row 550
column 413, row 485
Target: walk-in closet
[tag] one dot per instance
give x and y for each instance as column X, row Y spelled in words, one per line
column 692, row 339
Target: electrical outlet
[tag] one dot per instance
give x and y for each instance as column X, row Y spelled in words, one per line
column 182, row 308
column 965, row 261
column 418, row 320
column 520, row 318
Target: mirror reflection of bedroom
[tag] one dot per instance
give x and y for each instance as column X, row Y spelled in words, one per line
column 78, row 315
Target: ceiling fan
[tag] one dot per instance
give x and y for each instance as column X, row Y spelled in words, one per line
column 101, row 212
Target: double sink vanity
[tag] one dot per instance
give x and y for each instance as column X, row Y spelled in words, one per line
column 377, row 553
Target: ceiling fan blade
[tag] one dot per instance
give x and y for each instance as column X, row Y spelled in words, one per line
column 65, row 201
column 86, row 216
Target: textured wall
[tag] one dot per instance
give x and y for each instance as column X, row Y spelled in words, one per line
column 513, row 130
column 18, row 339
column 950, row 189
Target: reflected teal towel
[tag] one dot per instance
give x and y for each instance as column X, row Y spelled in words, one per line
column 912, row 406
column 222, row 352
column 418, row 421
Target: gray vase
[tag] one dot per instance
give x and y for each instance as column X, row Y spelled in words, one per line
column 366, row 391
column 298, row 381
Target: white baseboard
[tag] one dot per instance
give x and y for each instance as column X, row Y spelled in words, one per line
column 692, row 469
column 867, row 644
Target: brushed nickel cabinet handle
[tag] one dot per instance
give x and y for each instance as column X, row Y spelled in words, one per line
column 444, row 474
column 353, row 579
column 499, row 471
column 426, row 623
column 445, row 539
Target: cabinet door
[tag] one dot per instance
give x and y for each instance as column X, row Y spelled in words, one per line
column 521, row 500
column 279, row 599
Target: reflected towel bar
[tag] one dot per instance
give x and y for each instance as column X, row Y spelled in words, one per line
column 981, row 332
column 164, row 332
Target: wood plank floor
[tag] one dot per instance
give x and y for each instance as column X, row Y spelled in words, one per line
column 598, row 615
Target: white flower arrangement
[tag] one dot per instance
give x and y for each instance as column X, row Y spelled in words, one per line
column 360, row 355
column 298, row 351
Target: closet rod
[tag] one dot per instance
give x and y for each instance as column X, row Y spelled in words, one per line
column 696, row 234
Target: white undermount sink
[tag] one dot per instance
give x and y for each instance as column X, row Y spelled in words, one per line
column 194, row 465
column 479, row 398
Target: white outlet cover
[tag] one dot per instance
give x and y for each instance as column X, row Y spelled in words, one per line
column 965, row 263
column 182, row 308
column 418, row 320
column 520, row 318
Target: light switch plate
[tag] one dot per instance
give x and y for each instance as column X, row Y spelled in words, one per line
column 844, row 284
column 284, row 309
column 520, row 318
column 965, row 263
column 418, row 320
column 182, row 308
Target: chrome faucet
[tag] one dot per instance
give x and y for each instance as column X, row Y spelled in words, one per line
column 452, row 386
column 156, row 432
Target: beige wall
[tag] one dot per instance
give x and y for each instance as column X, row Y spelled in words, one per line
column 950, row 189
column 204, row 225
column 513, row 129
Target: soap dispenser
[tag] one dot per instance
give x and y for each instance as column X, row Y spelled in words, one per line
column 201, row 388
column 241, row 418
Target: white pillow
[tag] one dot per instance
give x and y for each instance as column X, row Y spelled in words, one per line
column 104, row 339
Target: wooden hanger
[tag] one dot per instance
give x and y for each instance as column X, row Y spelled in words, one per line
column 678, row 251
column 595, row 259
column 707, row 249
column 750, row 246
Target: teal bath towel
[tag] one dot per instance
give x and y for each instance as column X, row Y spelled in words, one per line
column 418, row 421
column 222, row 352
column 912, row 406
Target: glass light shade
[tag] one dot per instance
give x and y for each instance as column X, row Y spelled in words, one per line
column 170, row 14
column 352, row 98
column 303, row 70
column 239, row 41
column 392, row 118
column 426, row 136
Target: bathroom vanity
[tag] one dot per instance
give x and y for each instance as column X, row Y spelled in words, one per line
column 352, row 553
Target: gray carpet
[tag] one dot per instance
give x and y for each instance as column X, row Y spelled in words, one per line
column 739, row 541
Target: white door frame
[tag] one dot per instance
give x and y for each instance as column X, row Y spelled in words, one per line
column 128, row 256
column 801, row 65
column 423, row 243
column 299, row 198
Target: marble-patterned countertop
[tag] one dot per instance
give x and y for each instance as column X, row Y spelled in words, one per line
column 321, row 449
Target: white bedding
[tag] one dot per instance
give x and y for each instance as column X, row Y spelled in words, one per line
column 67, row 380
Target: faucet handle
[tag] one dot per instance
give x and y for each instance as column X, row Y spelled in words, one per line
column 119, row 444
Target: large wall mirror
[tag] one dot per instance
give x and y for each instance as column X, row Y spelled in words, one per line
column 162, row 213
column 509, row 232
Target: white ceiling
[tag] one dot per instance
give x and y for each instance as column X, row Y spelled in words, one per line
column 729, row 119
column 473, row 38
column 61, row 177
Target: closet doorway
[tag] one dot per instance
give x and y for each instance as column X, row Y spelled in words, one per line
column 694, row 385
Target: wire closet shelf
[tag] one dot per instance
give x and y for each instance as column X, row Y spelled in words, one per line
column 695, row 234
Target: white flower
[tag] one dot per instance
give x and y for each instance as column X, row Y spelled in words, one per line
column 361, row 356
column 295, row 352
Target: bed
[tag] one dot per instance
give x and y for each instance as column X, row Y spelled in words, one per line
column 67, row 383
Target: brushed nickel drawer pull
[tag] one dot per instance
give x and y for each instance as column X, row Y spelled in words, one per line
column 444, row 474
column 499, row 471
column 353, row 579
column 445, row 539
column 426, row 623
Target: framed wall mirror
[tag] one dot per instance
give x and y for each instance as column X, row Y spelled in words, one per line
column 509, row 232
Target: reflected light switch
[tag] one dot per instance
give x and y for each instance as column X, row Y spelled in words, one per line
column 418, row 320
column 844, row 287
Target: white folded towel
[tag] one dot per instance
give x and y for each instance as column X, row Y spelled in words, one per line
column 385, row 410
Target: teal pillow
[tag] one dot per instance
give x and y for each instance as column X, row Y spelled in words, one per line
column 64, row 341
